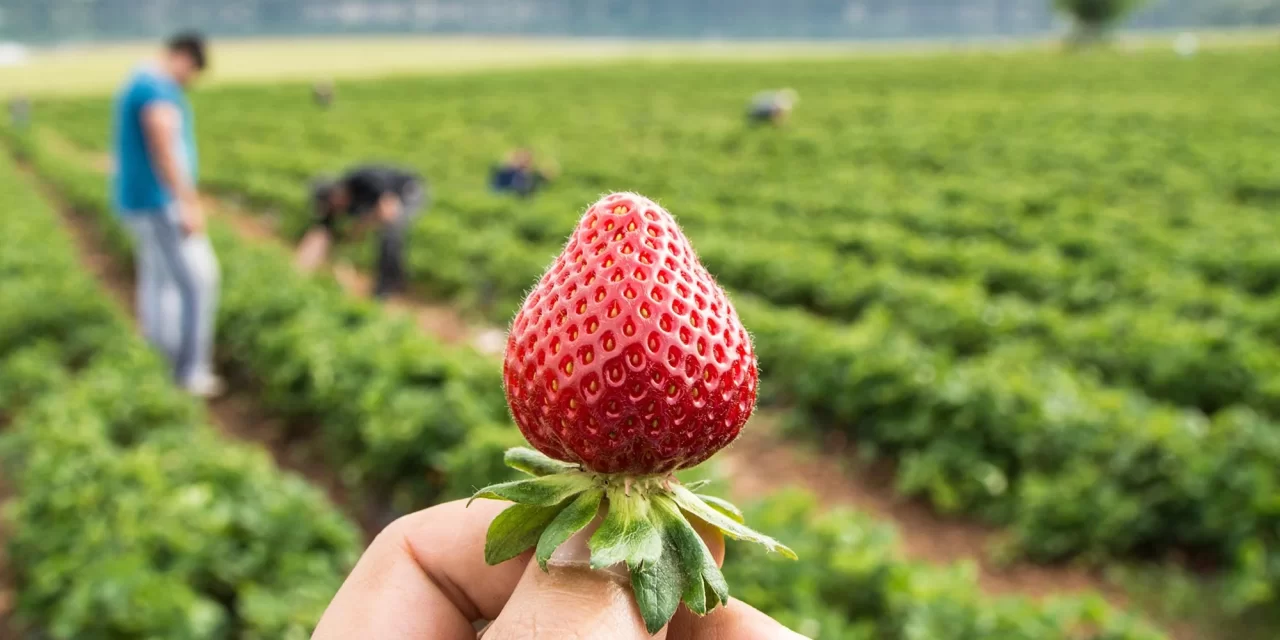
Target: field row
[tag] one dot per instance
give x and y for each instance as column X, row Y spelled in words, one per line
column 1125, row 408
column 1014, row 163
column 130, row 516
column 428, row 422
column 984, row 424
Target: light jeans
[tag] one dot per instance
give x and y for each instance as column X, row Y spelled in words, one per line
column 178, row 278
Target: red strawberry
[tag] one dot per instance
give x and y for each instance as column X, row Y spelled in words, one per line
column 628, row 360
column 627, row 357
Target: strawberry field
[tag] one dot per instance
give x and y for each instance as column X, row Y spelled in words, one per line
column 1042, row 288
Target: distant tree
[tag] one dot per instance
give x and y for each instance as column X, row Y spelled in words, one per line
column 1094, row 17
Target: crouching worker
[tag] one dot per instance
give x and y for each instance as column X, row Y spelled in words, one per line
column 520, row 175
column 772, row 107
column 368, row 197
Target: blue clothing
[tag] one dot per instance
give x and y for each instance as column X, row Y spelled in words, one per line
column 137, row 189
column 520, row 181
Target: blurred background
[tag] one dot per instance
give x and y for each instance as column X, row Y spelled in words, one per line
column 38, row 21
column 1008, row 264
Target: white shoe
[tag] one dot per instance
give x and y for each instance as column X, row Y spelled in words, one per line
column 206, row 385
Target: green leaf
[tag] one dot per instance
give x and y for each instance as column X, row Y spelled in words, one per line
column 658, row 586
column 534, row 463
column 736, row 530
column 694, row 558
column 627, row 533
column 517, row 529
column 723, row 506
column 716, row 586
column 698, row 484
column 714, row 594
column 544, row 491
column 571, row 520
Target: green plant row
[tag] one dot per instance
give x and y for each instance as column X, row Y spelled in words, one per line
column 1170, row 355
column 852, row 584
column 130, row 517
column 305, row 359
column 399, row 414
column 1070, row 465
column 1013, row 157
column 1074, row 466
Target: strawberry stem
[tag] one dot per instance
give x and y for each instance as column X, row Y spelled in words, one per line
column 647, row 529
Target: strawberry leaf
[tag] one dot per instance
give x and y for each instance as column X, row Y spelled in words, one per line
column 694, row 558
column 723, row 506
column 736, row 530
column 627, row 533
column 544, row 491
column 570, row 520
column 658, row 587
column 534, row 463
column 516, row 530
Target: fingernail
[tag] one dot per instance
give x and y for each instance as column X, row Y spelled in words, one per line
column 575, row 554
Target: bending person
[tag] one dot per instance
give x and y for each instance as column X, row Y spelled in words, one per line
column 366, row 197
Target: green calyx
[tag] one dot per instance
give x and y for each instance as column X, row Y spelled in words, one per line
column 645, row 526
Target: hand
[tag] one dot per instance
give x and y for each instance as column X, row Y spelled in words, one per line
column 388, row 208
column 191, row 215
column 312, row 250
column 424, row 577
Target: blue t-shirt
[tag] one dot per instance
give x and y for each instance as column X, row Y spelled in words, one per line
column 136, row 187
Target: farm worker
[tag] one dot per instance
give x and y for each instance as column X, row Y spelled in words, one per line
column 322, row 93
column 425, row 577
column 772, row 107
column 20, row 112
column 154, row 189
column 373, row 196
column 520, row 175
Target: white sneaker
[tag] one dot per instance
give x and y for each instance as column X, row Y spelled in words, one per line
column 206, row 385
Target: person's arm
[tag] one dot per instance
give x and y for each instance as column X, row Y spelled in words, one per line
column 313, row 250
column 161, row 126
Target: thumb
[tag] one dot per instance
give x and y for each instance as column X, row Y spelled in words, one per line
column 571, row 600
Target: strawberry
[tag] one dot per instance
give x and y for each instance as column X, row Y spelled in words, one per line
column 627, row 357
column 626, row 363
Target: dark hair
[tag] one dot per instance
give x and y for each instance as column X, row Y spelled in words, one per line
column 191, row 44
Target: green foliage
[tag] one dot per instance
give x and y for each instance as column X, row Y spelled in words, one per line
column 1028, row 299
column 130, row 518
column 852, row 584
column 1046, row 289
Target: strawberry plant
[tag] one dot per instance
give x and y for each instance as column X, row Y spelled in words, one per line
column 290, row 337
column 129, row 517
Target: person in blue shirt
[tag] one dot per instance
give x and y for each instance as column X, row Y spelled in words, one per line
column 154, row 191
column 519, row 175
